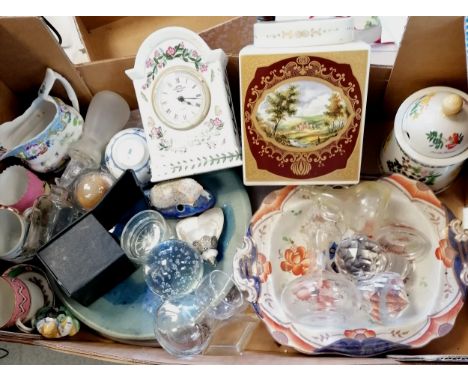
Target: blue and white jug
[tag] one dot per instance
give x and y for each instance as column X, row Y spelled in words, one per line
column 42, row 135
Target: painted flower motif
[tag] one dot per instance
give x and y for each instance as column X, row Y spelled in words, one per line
column 149, row 62
column 160, row 65
column 203, row 68
column 170, row 51
column 156, row 133
column 165, row 144
column 216, row 122
column 296, row 260
column 35, row 149
column 181, row 45
column 195, row 54
column 454, row 140
column 445, row 253
column 263, row 268
column 359, row 334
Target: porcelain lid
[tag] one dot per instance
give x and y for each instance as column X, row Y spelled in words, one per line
column 434, row 122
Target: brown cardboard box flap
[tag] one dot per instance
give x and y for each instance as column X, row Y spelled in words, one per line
column 432, row 53
column 116, row 37
column 28, row 48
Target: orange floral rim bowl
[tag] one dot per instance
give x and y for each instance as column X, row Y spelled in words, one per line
column 278, row 249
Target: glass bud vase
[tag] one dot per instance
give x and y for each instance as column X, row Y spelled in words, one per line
column 185, row 325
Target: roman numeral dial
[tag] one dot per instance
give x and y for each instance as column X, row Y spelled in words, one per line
column 181, row 98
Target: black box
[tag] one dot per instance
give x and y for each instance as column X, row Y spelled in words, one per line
column 85, row 259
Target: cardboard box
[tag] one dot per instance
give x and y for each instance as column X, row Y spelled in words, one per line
column 432, row 52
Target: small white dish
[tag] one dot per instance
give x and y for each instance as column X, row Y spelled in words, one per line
column 128, row 150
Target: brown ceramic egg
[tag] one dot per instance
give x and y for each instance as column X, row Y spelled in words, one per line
column 91, row 187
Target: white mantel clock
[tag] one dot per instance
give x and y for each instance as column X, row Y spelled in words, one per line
column 185, row 105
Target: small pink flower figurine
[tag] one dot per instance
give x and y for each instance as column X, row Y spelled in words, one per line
column 170, row 51
column 204, row 68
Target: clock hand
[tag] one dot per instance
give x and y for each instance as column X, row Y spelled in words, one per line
column 182, row 98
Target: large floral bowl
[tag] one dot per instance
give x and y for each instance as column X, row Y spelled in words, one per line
column 274, row 254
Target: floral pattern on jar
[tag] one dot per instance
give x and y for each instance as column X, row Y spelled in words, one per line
column 412, row 170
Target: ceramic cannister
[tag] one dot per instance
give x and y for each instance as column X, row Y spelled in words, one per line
column 428, row 142
column 303, row 102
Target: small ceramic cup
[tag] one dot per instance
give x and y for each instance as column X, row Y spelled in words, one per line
column 13, row 231
column 128, row 150
column 20, row 301
column 20, row 188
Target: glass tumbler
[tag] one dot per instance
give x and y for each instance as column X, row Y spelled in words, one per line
column 142, row 234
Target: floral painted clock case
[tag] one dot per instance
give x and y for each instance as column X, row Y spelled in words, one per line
column 303, row 113
column 277, row 253
column 185, row 105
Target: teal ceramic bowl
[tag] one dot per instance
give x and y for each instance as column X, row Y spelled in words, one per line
column 126, row 312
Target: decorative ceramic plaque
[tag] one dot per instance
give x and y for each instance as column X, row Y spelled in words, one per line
column 185, row 105
column 303, row 113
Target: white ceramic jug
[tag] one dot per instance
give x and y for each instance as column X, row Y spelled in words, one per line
column 43, row 134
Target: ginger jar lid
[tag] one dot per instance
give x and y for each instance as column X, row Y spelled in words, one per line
column 434, row 122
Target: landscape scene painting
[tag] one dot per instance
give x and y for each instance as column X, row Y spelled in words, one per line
column 302, row 114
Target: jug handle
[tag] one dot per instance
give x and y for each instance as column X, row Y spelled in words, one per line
column 48, row 83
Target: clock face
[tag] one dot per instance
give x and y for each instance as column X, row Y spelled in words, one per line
column 181, row 98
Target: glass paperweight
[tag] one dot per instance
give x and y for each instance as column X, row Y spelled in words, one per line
column 91, row 187
column 184, row 325
column 359, row 257
column 50, row 214
column 401, row 240
column 366, row 207
column 320, row 298
column 173, row 268
column 142, row 234
column 384, row 297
